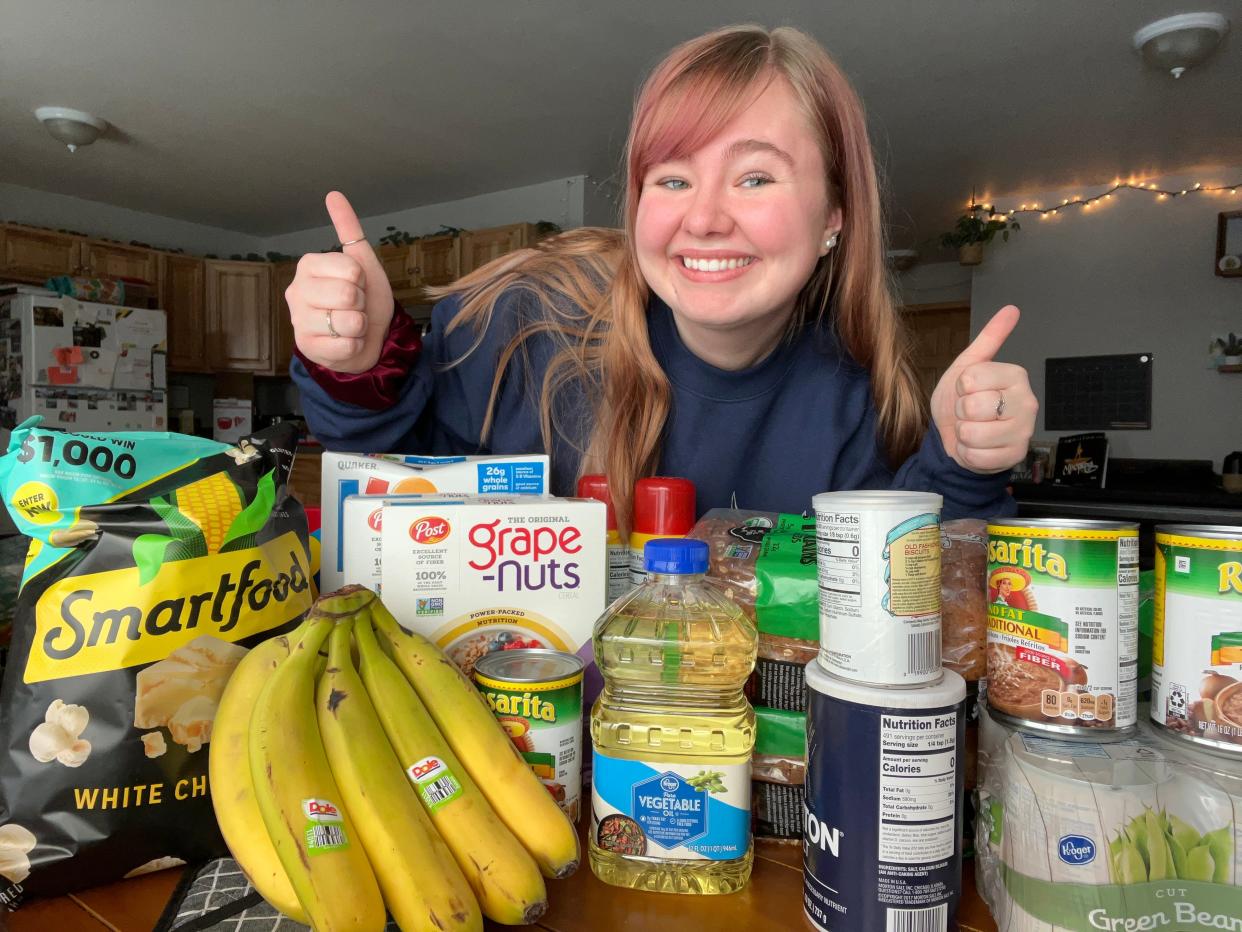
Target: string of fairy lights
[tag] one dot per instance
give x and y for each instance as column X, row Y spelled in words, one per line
column 1086, row 203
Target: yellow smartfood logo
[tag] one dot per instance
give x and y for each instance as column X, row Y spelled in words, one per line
column 112, row 620
column 1029, row 556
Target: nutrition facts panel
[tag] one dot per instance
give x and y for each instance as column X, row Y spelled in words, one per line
column 918, row 781
column 839, row 552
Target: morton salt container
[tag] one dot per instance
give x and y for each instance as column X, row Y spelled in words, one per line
column 1197, row 642
column 878, row 560
column 883, row 831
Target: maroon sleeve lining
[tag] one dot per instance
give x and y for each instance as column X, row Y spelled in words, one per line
column 380, row 386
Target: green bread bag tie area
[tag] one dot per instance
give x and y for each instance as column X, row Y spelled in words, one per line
column 787, row 599
column 779, row 733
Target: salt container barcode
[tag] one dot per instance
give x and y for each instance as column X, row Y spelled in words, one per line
column 878, row 560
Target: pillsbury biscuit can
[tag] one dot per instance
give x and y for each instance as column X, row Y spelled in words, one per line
column 878, row 562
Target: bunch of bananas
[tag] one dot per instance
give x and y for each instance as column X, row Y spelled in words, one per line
column 346, row 791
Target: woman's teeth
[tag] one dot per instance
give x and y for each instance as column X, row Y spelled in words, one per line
column 715, row 265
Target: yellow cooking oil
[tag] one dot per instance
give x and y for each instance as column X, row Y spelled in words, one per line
column 672, row 733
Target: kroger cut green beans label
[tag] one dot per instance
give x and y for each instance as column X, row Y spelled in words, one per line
column 536, row 695
column 1197, row 638
column 1063, row 623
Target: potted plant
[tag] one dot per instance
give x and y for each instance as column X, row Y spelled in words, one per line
column 972, row 230
column 1231, row 350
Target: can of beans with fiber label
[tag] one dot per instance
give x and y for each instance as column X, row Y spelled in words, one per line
column 1063, row 625
column 1196, row 670
column 878, row 561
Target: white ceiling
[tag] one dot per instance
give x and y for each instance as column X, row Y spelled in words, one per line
column 242, row 113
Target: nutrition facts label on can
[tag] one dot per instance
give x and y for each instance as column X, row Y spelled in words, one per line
column 839, row 551
column 918, row 779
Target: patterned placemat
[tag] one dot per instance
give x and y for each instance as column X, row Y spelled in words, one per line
column 217, row 896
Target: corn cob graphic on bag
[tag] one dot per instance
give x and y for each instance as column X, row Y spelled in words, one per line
column 156, row 561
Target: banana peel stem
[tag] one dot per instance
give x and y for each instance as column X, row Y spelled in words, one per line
column 343, row 603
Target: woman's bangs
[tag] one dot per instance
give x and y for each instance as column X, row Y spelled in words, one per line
column 688, row 113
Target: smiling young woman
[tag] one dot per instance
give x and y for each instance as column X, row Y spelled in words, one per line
column 739, row 330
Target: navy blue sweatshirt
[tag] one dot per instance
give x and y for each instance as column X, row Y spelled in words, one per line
column 768, row 437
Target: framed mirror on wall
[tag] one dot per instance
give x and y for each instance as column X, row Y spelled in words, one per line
column 1229, row 244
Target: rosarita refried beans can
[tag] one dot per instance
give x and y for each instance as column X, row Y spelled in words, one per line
column 1063, row 625
column 882, row 840
column 1196, row 673
column 878, row 564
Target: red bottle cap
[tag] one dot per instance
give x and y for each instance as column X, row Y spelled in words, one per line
column 664, row 506
column 596, row 487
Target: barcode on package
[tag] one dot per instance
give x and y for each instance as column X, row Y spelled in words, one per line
column 923, row 652
column 321, row 838
column 440, row 791
column 931, row 919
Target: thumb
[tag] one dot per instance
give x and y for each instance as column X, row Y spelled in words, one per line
column 348, row 229
column 991, row 338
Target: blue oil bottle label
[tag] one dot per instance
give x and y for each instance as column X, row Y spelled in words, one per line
column 677, row 811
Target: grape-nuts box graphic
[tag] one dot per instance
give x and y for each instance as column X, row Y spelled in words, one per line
column 477, row 574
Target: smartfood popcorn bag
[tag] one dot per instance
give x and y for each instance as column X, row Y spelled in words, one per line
column 155, row 562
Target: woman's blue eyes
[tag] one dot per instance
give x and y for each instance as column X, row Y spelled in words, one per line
column 749, row 181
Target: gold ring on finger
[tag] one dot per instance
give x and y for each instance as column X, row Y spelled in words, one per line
column 332, row 329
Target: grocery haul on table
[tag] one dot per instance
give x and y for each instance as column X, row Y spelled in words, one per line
column 491, row 667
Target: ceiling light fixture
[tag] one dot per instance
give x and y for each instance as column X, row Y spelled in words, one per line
column 72, row 127
column 1179, row 42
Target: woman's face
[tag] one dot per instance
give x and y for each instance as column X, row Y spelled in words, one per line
column 1004, row 586
column 728, row 236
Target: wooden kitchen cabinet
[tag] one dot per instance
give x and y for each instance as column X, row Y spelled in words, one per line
column 398, row 269
column 282, row 325
column 436, row 261
column 239, row 315
column 34, row 256
column 181, row 297
column 479, row 247
column 112, row 260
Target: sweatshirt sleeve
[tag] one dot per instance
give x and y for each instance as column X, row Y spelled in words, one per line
column 862, row 465
column 439, row 404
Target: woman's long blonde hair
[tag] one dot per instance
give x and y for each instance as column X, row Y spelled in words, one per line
column 596, row 300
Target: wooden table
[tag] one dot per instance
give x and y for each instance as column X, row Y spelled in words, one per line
column 771, row 902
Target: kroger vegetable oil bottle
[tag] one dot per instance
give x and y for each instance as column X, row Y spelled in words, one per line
column 672, row 732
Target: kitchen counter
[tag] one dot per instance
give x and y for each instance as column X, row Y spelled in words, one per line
column 1171, row 505
column 772, row 902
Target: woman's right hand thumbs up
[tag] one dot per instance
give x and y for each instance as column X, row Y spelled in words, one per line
column 341, row 302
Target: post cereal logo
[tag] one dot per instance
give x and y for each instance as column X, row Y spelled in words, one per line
column 376, row 520
column 429, row 530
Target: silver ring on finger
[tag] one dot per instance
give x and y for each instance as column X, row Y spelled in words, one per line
column 360, row 239
column 1000, row 406
column 331, row 329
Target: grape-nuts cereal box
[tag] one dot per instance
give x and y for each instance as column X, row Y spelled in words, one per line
column 345, row 474
column 477, row 574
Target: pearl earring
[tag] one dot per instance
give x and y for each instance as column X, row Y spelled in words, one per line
column 830, row 241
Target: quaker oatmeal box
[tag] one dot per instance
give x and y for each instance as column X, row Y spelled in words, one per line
column 481, row 573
